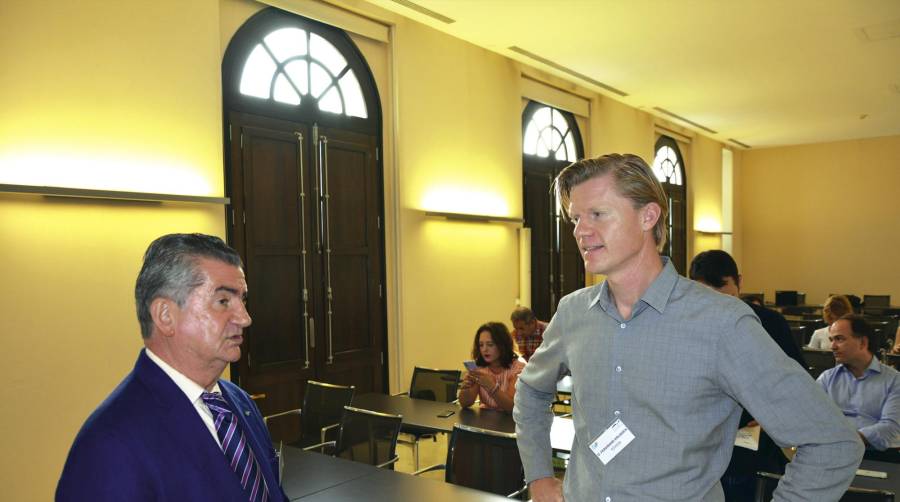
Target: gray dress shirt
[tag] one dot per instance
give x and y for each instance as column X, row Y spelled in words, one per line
column 676, row 374
column 871, row 402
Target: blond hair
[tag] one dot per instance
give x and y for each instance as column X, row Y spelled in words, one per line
column 633, row 180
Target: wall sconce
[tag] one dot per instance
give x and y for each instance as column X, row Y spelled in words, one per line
column 478, row 218
column 86, row 193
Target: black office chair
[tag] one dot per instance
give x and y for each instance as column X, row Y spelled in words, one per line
column 878, row 301
column 431, row 385
column 368, row 437
column 484, row 460
column 320, row 416
column 817, row 361
column 766, row 483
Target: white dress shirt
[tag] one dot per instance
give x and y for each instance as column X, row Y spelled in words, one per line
column 192, row 390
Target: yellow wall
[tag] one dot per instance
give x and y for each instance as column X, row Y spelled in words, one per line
column 459, row 150
column 822, row 218
column 127, row 96
column 103, row 95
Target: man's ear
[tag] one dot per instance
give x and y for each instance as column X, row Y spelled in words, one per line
column 650, row 215
column 739, row 279
column 163, row 312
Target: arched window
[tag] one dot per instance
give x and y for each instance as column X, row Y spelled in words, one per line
column 284, row 66
column 289, row 64
column 668, row 165
column 550, row 141
column 548, row 134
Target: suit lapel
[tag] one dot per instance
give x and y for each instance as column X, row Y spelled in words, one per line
column 179, row 419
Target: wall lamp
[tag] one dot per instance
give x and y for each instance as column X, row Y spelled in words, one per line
column 478, row 218
column 86, row 193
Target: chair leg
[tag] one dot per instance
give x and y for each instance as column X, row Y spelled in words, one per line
column 416, row 454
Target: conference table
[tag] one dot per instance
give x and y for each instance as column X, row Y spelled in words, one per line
column 891, row 483
column 432, row 416
column 312, row 477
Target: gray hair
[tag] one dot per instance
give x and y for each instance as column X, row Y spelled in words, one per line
column 170, row 271
column 633, row 180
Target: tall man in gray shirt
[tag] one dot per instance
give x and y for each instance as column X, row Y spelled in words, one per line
column 661, row 367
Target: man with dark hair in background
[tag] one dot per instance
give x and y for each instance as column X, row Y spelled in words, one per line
column 867, row 391
column 527, row 331
column 173, row 430
column 718, row 270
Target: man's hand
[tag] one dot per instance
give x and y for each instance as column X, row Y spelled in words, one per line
column 546, row 490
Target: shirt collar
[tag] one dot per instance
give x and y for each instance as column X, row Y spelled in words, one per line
column 873, row 367
column 191, row 389
column 657, row 295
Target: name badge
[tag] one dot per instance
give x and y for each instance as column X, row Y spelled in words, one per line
column 612, row 441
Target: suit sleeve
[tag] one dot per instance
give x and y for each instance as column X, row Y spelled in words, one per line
column 101, row 468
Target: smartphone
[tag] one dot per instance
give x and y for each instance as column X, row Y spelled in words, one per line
column 446, row 414
column 470, row 365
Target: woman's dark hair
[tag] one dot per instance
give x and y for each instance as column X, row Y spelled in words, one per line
column 500, row 336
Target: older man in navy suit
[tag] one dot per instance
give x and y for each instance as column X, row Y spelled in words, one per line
column 172, row 430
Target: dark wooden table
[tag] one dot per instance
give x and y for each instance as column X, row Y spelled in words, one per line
column 423, row 414
column 891, row 484
column 310, row 476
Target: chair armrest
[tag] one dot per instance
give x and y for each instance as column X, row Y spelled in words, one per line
column 325, row 430
column 266, row 418
column 389, row 462
column 518, row 492
column 321, row 445
column 435, row 467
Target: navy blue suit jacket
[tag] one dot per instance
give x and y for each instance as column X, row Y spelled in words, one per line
column 147, row 442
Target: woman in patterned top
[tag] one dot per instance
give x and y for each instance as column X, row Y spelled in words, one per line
column 494, row 381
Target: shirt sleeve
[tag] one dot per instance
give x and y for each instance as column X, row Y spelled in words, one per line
column 792, row 409
column 535, row 392
column 884, row 433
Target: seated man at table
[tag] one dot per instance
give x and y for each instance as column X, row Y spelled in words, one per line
column 867, row 391
column 528, row 331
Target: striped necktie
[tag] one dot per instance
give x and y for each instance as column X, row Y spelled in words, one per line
column 237, row 451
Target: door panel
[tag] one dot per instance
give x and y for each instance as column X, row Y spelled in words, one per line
column 269, row 231
column 353, row 266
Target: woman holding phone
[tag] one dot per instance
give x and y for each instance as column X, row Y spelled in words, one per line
column 493, row 380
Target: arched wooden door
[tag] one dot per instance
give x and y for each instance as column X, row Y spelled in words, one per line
column 303, row 134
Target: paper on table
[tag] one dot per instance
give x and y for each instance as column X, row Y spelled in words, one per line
column 748, row 437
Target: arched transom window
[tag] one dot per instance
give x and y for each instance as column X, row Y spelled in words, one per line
column 291, row 64
column 548, row 135
column 666, row 166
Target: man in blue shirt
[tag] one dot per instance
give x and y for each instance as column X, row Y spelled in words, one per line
column 867, row 391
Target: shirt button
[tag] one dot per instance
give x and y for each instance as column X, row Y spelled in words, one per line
column 618, row 369
column 623, row 327
column 608, row 499
column 617, row 413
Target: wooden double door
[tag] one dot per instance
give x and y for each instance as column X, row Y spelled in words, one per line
column 557, row 268
column 306, row 219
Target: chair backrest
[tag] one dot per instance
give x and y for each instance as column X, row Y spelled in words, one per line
column 784, row 298
column 876, row 301
column 766, row 483
column 434, row 385
column 323, row 405
column 818, row 361
column 368, row 436
column 485, row 460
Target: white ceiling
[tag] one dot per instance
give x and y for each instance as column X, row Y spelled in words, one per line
column 762, row 72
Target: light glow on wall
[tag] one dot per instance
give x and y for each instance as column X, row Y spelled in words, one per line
column 463, row 200
column 124, row 171
column 708, row 224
